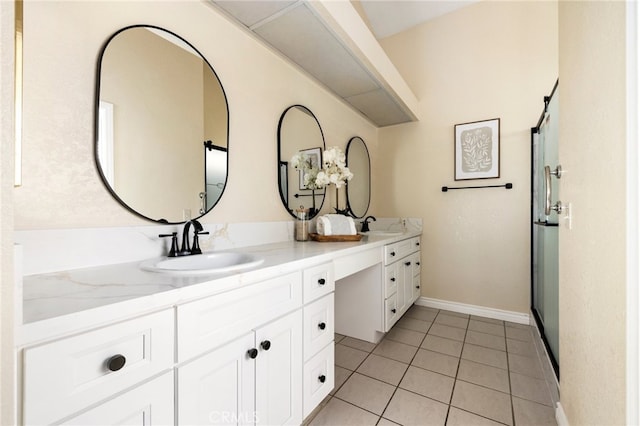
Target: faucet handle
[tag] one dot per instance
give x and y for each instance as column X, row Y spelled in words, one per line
column 174, row 243
column 195, row 248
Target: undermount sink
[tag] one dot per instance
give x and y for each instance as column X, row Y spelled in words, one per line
column 383, row 233
column 202, row 264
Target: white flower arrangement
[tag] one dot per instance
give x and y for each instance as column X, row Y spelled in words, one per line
column 334, row 169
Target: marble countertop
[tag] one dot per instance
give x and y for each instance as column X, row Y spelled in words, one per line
column 62, row 302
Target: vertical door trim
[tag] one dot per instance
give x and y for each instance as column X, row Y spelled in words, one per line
column 632, row 213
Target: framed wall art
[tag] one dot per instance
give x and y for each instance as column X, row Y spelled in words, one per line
column 477, row 150
column 315, row 163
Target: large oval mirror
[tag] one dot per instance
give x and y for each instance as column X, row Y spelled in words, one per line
column 162, row 125
column 359, row 187
column 300, row 139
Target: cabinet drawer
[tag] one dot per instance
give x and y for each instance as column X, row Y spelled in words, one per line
column 416, row 288
column 391, row 280
column 318, row 325
column 208, row 323
column 318, row 379
column 415, row 244
column 391, row 311
column 318, row 281
column 147, row 405
column 391, row 253
column 400, row 249
column 415, row 261
column 67, row 375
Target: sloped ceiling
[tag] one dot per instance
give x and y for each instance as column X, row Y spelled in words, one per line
column 296, row 30
column 389, row 17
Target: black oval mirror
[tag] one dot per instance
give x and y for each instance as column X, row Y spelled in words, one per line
column 162, row 123
column 300, row 147
column 359, row 187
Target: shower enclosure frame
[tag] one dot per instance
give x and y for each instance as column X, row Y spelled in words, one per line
column 539, row 323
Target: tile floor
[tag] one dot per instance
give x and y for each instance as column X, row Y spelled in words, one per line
column 438, row 367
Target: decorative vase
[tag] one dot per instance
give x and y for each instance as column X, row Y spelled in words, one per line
column 337, row 207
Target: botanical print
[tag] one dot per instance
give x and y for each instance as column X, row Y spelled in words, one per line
column 476, row 150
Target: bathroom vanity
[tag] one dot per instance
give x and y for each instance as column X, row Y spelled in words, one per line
column 115, row 344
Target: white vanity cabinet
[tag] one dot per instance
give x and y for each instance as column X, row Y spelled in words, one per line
column 68, row 375
column 260, row 351
column 255, row 379
column 401, row 277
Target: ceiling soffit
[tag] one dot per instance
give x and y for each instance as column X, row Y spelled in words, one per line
column 297, row 32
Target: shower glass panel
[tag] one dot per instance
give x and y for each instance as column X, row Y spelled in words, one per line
column 545, row 227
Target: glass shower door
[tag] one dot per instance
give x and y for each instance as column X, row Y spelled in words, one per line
column 545, row 226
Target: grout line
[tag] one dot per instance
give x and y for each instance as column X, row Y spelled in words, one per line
column 405, row 371
column 513, row 413
column 455, row 379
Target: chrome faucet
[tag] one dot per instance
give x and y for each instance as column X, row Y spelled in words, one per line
column 365, row 223
column 185, row 248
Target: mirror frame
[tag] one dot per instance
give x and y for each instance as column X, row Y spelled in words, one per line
column 96, row 126
column 349, row 208
column 285, row 202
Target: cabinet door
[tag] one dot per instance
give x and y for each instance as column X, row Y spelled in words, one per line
column 147, row 405
column 402, row 276
column 218, row 388
column 407, row 282
column 279, row 371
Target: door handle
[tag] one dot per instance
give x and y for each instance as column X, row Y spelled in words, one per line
column 547, row 190
column 557, row 207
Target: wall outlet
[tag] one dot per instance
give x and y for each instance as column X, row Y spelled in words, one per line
column 568, row 216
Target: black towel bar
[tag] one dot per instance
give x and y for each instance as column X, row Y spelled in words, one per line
column 506, row 186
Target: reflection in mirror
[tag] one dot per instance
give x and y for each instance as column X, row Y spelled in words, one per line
column 299, row 133
column 157, row 100
column 215, row 166
column 359, row 187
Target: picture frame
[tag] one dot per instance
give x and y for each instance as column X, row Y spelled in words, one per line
column 315, row 154
column 477, row 150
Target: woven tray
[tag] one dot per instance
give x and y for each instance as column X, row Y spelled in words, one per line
column 334, row 238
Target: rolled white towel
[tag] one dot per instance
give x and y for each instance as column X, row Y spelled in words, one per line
column 335, row 224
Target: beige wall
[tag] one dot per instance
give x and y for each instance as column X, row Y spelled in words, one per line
column 62, row 188
column 7, row 355
column 488, row 60
column 592, row 254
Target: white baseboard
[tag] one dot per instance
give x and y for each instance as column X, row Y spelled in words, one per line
column 561, row 417
column 481, row 311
